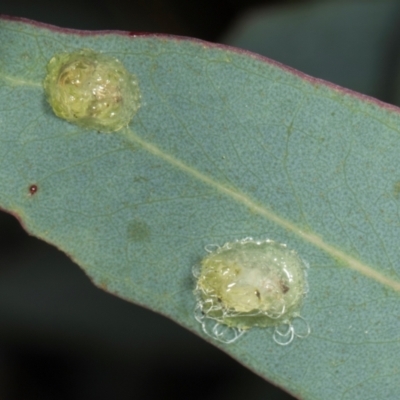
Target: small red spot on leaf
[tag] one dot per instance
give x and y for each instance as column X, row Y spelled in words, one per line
column 33, row 189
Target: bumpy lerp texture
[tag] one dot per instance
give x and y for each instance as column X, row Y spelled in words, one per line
column 91, row 90
column 248, row 284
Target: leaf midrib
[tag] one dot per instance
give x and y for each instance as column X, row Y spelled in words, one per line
column 19, row 82
column 255, row 207
column 240, row 197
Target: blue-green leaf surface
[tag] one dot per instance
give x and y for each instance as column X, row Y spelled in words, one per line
column 226, row 145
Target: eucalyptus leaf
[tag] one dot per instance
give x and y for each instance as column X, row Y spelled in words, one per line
column 226, row 145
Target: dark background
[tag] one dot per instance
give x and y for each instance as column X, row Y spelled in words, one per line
column 62, row 338
column 205, row 19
